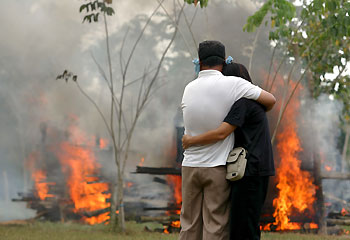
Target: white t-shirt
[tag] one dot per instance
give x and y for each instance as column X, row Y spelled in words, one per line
column 205, row 103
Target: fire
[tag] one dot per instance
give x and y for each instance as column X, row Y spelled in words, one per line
column 175, row 183
column 41, row 186
column 141, row 162
column 175, row 224
column 296, row 190
column 87, row 194
column 328, row 168
column 313, row 226
column 103, row 143
column 344, row 212
column 39, row 176
column 73, row 160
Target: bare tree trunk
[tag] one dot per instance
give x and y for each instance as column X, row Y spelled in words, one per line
column 6, row 186
column 121, row 213
column 113, row 222
column 121, row 142
column 320, row 209
column 346, row 143
column 253, row 47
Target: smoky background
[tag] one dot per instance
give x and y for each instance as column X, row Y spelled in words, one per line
column 42, row 38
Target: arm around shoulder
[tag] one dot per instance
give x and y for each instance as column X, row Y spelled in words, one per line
column 266, row 99
column 209, row 137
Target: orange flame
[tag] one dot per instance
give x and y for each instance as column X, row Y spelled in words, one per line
column 296, row 190
column 328, row 168
column 344, row 212
column 175, row 224
column 141, row 162
column 313, row 226
column 103, row 143
column 41, row 187
column 175, row 183
column 80, row 165
column 39, row 176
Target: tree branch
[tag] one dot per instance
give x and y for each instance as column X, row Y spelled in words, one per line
column 176, row 24
column 147, row 93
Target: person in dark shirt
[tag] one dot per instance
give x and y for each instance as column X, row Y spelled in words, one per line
column 248, row 119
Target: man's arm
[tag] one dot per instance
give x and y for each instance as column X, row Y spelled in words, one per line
column 266, row 99
column 245, row 89
column 209, row 137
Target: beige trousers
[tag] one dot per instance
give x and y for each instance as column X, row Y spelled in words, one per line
column 205, row 204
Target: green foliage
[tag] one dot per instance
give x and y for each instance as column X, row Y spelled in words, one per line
column 282, row 12
column 94, row 8
column 316, row 34
column 203, row 3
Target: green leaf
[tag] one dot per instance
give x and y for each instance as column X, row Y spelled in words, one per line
column 109, row 11
column 96, row 17
column 88, row 18
column 82, row 7
column 93, row 7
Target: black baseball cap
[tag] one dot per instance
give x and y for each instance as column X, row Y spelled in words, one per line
column 209, row 49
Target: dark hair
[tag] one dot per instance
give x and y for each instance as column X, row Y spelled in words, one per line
column 237, row 70
column 211, row 53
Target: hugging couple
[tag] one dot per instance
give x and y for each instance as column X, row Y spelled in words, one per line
column 222, row 109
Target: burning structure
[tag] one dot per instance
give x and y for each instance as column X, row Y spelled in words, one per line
column 69, row 182
column 66, row 177
column 296, row 199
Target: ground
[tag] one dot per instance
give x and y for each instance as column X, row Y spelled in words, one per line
column 70, row 231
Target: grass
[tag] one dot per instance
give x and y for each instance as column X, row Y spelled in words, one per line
column 73, row 231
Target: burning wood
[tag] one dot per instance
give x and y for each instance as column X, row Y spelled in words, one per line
column 82, row 195
column 162, row 219
column 335, row 175
column 158, row 171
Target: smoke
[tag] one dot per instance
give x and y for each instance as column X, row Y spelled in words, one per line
column 320, row 130
column 42, row 38
column 321, row 123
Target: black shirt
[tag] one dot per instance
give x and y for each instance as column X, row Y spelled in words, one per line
column 250, row 118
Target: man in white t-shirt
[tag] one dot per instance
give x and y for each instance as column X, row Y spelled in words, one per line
column 205, row 103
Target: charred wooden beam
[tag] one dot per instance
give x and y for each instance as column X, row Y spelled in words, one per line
column 320, row 207
column 334, row 198
column 96, row 212
column 343, row 222
column 335, row 230
column 160, row 180
column 299, row 219
column 159, row 218
column 158, row 171
column 335, row 175
column 171, row 208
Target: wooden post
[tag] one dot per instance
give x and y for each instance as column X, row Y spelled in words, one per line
column 6, row 186
column 320, row 208
column 346, row 144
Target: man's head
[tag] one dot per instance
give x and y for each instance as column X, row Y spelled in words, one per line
column 211, row 55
